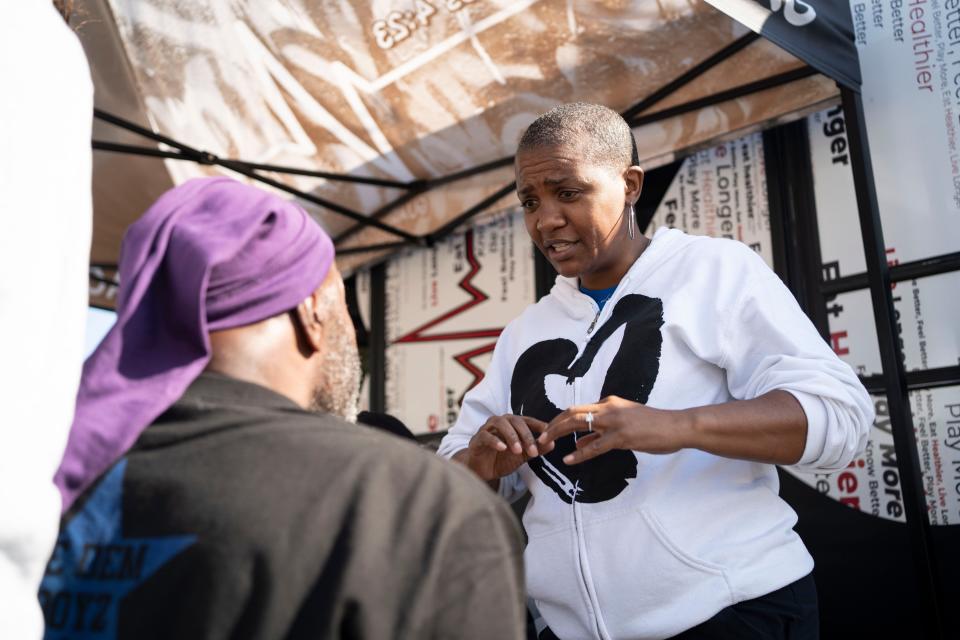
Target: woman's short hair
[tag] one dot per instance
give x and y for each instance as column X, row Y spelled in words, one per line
column 598, row 133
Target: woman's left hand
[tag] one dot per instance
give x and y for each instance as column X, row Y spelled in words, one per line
column 618, row 424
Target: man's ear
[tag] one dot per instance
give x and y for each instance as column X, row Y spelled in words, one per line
column 311, row 322
column 633, row 183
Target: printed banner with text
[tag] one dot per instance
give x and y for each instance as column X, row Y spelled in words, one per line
column 721, row 192
column 445, row 308
column 910, row 58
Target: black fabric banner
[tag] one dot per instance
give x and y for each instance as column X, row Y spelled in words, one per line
column 819, row 32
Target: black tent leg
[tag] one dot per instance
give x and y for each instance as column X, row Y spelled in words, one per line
column 793, row 218
column 378, row 339
column 901, row 418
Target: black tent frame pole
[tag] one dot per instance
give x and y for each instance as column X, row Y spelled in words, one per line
column 423, row 187
column 691, row 74
column 483, row 205
column 378, row 214
column 793, row 223
column 309, row 197
column 204, row 157
column 103, row 280
column 137, row 150
column 646, row 103
column 922, row 268
column 190, row 154
column 377, row 352
column 922, row 379
column 732, row 93
column 369, row 248
column 894, row 376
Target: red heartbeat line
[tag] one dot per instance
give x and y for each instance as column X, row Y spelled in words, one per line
column 477, row 296
column 466, row 361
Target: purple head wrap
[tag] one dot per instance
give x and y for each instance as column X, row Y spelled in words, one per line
column 210, row 254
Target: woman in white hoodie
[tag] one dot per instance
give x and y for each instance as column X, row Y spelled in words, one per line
column 644, row 403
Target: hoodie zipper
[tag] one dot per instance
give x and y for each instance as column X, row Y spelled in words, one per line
column 596, row 317
column 581, row 542
column 594, row 323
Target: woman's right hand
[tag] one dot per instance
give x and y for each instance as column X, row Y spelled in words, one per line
column 502, row 445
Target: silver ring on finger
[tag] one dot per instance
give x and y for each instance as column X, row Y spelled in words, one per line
column 589, row 420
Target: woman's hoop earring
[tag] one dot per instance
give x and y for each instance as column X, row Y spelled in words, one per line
column 631, row 221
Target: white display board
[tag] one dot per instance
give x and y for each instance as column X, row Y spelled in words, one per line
column 721, row 192
column 872, row 482
column 445, row 308
column 924, row 306
column 910, row 61
column 926, row 311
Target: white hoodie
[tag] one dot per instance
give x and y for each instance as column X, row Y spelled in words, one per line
column 635, row 545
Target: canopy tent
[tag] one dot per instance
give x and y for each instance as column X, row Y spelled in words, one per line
column 394, row 122
column 429, row 105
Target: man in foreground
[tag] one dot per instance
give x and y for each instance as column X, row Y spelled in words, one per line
column 249, row 508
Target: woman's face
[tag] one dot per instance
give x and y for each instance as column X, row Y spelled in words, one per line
column 573, row 210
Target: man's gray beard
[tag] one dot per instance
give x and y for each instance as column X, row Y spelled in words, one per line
column 340, row 393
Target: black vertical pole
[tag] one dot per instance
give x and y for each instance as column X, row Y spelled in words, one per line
column 378, row 339
column 544, row 274
column 894, row 376
column 793, row 218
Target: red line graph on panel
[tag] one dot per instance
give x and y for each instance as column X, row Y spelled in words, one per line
column 466, row 361
column 477, row 296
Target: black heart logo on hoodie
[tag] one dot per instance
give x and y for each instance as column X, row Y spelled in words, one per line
column 631, row 375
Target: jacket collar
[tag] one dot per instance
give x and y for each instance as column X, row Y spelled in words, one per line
column 663, row 244
column 215, row 389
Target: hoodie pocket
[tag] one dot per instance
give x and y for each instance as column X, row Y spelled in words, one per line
column 646, row 585
column 555, row 583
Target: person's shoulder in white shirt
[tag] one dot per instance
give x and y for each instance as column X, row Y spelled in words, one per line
column 45, row 202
